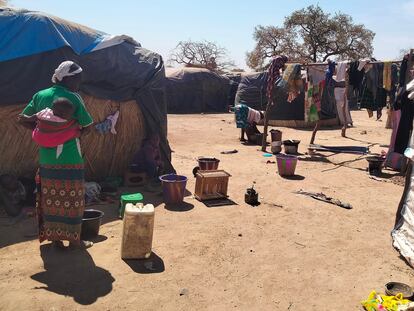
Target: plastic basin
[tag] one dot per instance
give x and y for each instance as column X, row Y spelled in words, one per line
column 208, row 164
column 291, row 146
column 173, row 187
column 91, row 221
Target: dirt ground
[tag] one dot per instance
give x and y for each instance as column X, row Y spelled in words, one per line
column 290, row 253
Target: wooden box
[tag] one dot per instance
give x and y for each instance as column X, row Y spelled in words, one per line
column 211, row 185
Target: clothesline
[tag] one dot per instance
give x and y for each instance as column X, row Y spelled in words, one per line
column 321, row 64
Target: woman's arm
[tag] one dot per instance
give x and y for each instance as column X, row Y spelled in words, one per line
column 28, row 122
column 86, row 130
column 28, row 117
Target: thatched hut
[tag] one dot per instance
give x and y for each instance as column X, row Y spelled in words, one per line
column 118, row 75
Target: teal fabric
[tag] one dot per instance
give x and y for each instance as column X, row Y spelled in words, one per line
column 242, row 112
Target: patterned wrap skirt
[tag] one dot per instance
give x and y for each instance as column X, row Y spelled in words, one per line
column 60, row 202
column 241, row 113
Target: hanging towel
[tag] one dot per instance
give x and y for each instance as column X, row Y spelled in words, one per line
column 387, row 76
column 114, row 119
column 341, row 96
column 330, row 71
column 341, row 71
column 108, row 125
column 292, row 80
column 274, row 74
column 362, row 63
column 340, row 77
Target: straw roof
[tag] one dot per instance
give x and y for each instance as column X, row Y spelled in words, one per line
column 105, row 155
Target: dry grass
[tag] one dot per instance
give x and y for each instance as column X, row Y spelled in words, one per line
column 105, row 155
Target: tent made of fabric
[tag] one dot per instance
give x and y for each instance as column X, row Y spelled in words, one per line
column 252, row 90
column 234, row 85
column 196, row 90
column 116, row 70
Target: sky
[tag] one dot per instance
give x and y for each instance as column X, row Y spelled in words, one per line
column 160, row 25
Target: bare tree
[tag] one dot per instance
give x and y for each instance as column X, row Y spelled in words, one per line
column 404, row 52
column 310, row 34
column 204, row 54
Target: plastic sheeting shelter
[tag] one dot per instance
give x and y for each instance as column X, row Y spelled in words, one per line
column 252, row 90
column 196, row 90
column 115, row 68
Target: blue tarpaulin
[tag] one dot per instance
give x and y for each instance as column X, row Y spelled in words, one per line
column 25, row 33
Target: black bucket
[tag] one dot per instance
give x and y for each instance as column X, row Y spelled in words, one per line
column 91, row 222
column 375, row 165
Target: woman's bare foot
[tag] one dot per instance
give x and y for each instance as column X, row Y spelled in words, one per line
column 82, row 245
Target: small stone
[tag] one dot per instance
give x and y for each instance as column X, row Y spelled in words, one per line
column 183, row 292
column 240, row 234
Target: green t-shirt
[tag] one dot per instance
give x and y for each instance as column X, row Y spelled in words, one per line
column 70, row 153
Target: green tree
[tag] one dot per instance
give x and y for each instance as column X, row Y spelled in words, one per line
column 310, row 34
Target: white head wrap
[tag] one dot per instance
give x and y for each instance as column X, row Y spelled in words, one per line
column 64, row 71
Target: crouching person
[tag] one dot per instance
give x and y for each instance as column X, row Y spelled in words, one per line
column 148, row 159
column 247, row 120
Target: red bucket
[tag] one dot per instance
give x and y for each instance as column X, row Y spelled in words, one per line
column 286, row 164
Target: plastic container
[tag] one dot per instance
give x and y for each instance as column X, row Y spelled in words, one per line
column 91, row 221
column 173, row 187
column 137, row 231
column 259, row 139
column 276, row 147
column 375, row 164
column 276, row 135
column 286, row 164
column 208, row 164
column 133, row 198
column 291, row 146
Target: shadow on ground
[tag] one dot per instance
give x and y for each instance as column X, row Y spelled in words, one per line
column 154, row 264
column 294, row 177
column 73, row 273
column 22, row 228
column 180, row 207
